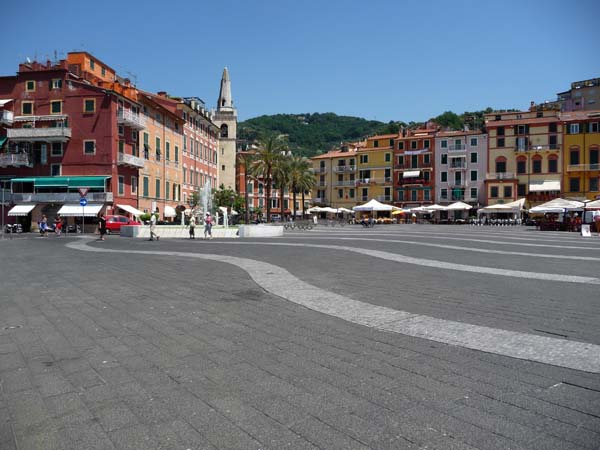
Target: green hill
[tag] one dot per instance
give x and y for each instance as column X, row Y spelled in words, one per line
column 312, row 134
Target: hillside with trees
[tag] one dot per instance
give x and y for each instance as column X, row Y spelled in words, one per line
column 313, row 134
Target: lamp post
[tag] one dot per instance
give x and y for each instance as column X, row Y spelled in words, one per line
column 2, row 189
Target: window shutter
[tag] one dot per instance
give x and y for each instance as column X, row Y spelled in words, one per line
column 568, row 128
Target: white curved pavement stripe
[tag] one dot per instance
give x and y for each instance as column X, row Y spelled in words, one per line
column 438, row 264
column 452, row 247
column 278, row 281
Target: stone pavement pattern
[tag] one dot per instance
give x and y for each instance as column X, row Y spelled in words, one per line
column 117, row 351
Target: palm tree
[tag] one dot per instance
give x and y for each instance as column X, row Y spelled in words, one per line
column 270, row 149
column 281, row 177
column 246, row 159
column 299, row 166
column 306, row 183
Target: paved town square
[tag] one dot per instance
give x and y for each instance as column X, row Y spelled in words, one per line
column 392, row 337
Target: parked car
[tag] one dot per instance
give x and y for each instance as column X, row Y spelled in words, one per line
column 114, row 223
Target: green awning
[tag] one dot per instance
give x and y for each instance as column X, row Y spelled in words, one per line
column 2, row 141
column 71, row 182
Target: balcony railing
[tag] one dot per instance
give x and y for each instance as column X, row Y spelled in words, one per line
column 127, row 118
column 320, row 170
column 320, row 200
column 129, row 160
column 14, row 159
column 343, row 169
column 58, row 134
column 61, row 197
column 582, row 167
column 457, row 148
column 384, row 198
column 536, row 148
column 412, row 182
column 457, row 166
column 499, row 176
column 321, row 183
column 6, row 117
column 344, row 182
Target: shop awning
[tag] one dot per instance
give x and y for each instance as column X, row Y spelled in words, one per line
column 80, row 211
column 170, row 211
column 4, row 101
column 2, row 141
column 21, row 210
column 131, row 210
column 71, row 182
column 411, row 173
column 545, row 185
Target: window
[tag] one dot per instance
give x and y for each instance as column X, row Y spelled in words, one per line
column 444, row 144
column 89, row 147
column 400, row 145
column 413, row 196
column 176, row 154
column 388, row 157
column 121, row 146
column 473, row 142
column 574, row 184
column 521, row 166
column 594, row 127
column 426, row 159
column 500, row 142
column 474, row 157
column 426, row 195
column 27, row 108
column 167, row 189
column 494, row 192
column 413, row 144
column 444, row 158
column 55, row 170
column 121, row 130
column 458, row 144
column 392, row 143
column 537, row 164
column 145, row 188
column 552, row 128
column 473, row 193
column 574, row 157
column 444, row 177
column 473, row 175
column 89, row 105
column 92, row 64
column 522, row 129
column 340, row 193
column 134, row 136
column 594, row 184
column 500, row 131
column 168, row 150
column 30, row 85
column 56, row 83
column 444, row 193
column 552, row 164
column 501, row 165
column 573, row 128
column 56, row 149
column 553, row 142
column 364, row 159
column 134, row 182
column 103, row 71
column 157, row 188
column 157, row 149
column 121, row 185
column 375, row 144
column 426, row 143
column 223, row 167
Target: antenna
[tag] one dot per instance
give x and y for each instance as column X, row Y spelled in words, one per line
column 132, row 76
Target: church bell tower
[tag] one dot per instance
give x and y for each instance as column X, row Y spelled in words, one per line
column 225, row 117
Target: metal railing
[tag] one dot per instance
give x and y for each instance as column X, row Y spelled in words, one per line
column 582, row 167
column 319, row 169
column 61, row 197
column 6, row 117
column 384, row 198
column 499, row 176
column 457, row 148
column 344, row 182
column 14, row 159
column 59, row 134
column 342, row 169
column 125, row 159
column 126, row 117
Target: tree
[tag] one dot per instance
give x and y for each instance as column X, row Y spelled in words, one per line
column 306, row 183
column 227, row 197
column 299, row 167
column 449, row 120
column 270, row 148
column 281, row 177
column 246, row 159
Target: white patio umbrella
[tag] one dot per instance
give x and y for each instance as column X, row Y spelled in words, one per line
column 314, row 209
column 374, row 205
column 458, row 206
column 328, row 209
column 558, row 205
column 434, row 207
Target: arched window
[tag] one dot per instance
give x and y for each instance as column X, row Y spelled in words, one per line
column 536, row 164
column 521, row 165
column 552, row 163
column 500, row 164
column 224, row 131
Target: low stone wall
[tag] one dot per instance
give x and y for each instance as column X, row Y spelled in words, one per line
column 260, row 231
column 175, row 231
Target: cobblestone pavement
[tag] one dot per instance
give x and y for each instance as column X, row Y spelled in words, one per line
column 190, row 345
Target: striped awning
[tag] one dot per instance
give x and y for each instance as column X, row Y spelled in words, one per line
column 21, row 210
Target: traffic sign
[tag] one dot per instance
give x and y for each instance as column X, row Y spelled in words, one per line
column 83, row 201
column 83, row 191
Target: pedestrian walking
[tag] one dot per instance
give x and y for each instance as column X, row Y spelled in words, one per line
column 43, row 226
column 192, row 227
column 101, row 225
column 153, row 227
column 208, row 222
column 58, row 225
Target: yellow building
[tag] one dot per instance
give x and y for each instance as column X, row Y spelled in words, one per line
column 375, row 169
column 524, row 156
column 161, row 144
column 581, row 166
column 336, row 177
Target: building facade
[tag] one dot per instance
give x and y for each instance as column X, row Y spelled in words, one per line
column 414, row 181
column 336, row 177
column 374, row 172
column 581, row 162
column 461, row 165
column 524, row 156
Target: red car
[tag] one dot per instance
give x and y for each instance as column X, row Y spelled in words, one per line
column 114, row 223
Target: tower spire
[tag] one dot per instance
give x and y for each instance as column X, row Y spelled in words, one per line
column 225, row 100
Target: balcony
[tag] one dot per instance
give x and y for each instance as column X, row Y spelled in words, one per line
column 413, row 182
column 61, row 197
column 321, row 183
column 537, row 148
column 499, row 176
column 131, row 161
column 14, row 159
column 384, row 198
column 320, row 170
column 344, row 169
column 320, row 200
column 456, row 148
column 6, row 117
column 457, row 165
column 344, row 182
column 582, row 167
column 57, row 134
column 131, row 120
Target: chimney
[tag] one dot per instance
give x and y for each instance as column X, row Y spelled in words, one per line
column 162, row 93
column 532, row 106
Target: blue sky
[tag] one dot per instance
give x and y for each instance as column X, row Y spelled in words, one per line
column 377, row 59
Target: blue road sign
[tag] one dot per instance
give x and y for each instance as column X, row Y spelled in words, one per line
column 83, row 201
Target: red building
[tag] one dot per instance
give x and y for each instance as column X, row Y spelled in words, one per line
column 76, row 121
column 414, row 181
